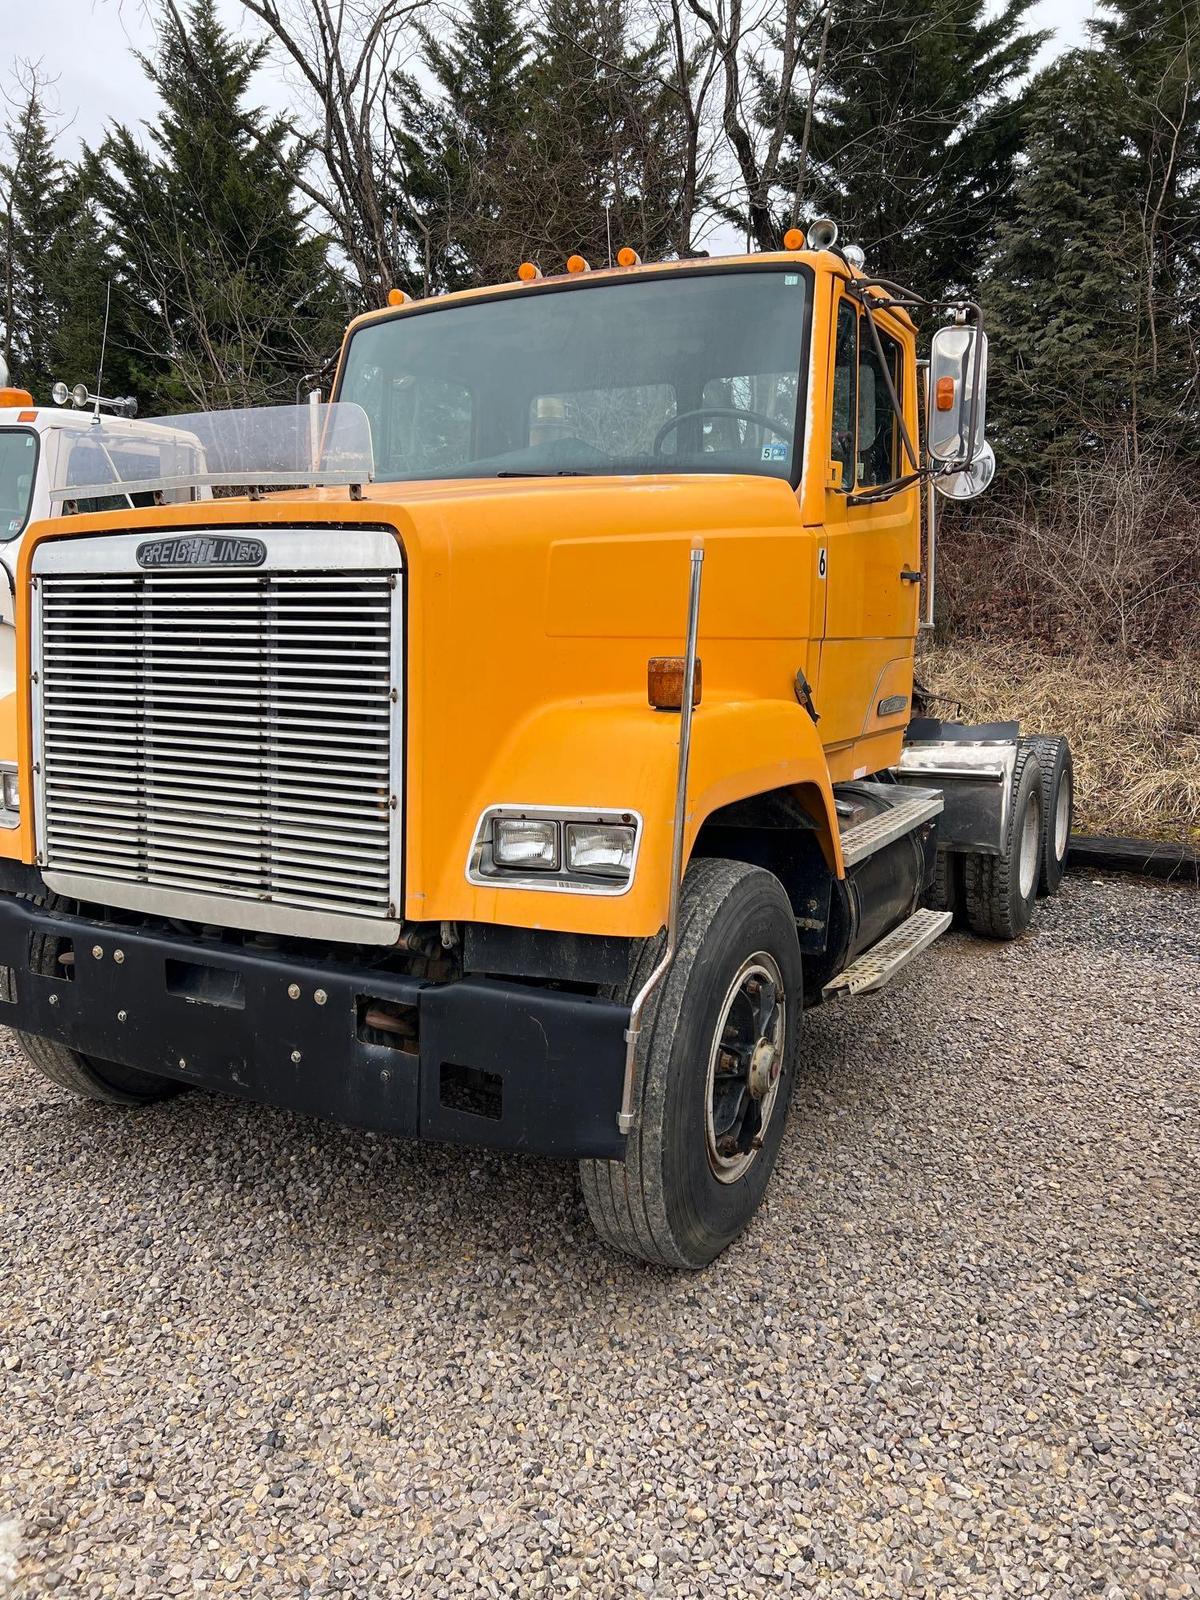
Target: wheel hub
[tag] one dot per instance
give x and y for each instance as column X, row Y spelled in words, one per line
column 744, row 1067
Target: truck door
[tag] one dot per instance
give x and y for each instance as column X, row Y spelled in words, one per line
column 870, row 606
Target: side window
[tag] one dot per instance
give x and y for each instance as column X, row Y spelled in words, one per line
column 878, row 433
column 845, row 392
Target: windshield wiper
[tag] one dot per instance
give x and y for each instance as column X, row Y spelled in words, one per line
column 543, row 472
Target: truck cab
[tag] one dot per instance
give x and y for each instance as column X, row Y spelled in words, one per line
column 520, row 777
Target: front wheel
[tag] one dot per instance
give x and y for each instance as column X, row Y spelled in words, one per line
column 716, row 1061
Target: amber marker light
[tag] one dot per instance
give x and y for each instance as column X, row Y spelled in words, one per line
column 529, row 272
column 664, row 682
column 793, row 239
column 945, row 394
column 627, row 257
column 577, row 264
column 397, row 297
column 27, row 416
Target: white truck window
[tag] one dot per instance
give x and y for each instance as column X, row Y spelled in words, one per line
column 18, row 468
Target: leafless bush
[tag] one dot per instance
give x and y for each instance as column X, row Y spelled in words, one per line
column 1109, row 560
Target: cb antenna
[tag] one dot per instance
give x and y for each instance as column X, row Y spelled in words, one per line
column 103, row 346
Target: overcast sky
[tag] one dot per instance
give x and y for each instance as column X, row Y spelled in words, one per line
column 87, row 45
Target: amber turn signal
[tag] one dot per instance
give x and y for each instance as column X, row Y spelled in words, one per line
column 627, row 257
column 397, row 297
column 529, row 272
column 577, row 264
column 793, row 239
column 945, row 394
column 664, row 682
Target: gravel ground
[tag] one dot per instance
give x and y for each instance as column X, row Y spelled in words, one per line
column 246, row 1353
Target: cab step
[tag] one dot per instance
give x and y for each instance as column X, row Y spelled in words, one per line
column 907, row 809
column 881, row 963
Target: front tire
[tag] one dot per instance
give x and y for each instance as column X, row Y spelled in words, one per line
column 716, row 1062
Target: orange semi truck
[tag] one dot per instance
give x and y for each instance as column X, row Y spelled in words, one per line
column 520, row 774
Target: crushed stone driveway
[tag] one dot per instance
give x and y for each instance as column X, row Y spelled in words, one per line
column 245, row 1353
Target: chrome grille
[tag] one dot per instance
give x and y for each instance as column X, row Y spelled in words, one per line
column 225, row 734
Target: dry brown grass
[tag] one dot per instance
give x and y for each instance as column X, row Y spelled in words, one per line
column 1134, row 726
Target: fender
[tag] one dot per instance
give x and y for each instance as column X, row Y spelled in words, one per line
column 618, row 754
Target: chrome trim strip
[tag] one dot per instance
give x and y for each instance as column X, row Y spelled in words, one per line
column 549, row 882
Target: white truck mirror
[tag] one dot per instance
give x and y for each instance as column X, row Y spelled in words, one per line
column 957, row 393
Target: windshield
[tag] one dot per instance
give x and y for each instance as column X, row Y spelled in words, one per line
column 683, row 373
column 18, row 467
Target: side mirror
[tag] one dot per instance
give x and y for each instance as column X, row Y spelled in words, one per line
column 957, row 394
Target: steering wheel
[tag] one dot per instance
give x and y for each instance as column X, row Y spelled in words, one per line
column 739, row 412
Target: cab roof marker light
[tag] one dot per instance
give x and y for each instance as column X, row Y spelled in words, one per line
column 529, row 272
column 628, row 257
column 793, row 239
column 577, row 264
column 397, row 297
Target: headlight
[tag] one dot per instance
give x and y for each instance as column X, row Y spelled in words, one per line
column 604, row 850
column 10, row 796
column 525, row 842
column 543, row 847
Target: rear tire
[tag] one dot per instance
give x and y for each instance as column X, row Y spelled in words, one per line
column 1058, row 806
column 716, row 1061
column 1000, row 891
column 106, row 1081
column 945, row 892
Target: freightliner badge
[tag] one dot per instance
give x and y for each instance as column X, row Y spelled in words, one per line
column 202, row 550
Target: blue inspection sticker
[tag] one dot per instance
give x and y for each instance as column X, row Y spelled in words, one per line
column 774, row 452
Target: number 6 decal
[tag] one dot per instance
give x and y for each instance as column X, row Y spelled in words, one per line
column 822, row 562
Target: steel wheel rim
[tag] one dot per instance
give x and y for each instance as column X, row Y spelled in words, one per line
column 1028, row 858
column 745, row 1067
column 1062, row 818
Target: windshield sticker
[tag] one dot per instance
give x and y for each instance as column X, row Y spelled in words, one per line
column 791, row 279
column 774, row 452
column 14, row 526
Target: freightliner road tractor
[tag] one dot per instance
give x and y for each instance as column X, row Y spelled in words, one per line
column 510, row 750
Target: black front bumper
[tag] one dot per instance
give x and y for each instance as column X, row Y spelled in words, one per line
column 505, row 1065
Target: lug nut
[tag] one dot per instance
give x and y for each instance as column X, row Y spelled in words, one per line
column 97, row 951
column 183, row 1061
column 297, row 1056
column 320, row 996
column 53, row 999
column 121, row 1016
column 118, row 956
column 293, row 991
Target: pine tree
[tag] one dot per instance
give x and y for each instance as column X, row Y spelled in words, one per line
column 1061, row 296
column 34, row 184
column 1154, row 50
column 606, row 136
column 228, row 292
column 916, row 125
column 460, row 160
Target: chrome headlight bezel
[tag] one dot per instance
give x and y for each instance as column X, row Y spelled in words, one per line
column 483, row 868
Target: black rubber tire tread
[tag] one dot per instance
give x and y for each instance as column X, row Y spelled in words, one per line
column 945, row 891
column 991, row 884
column 103, row 1081
column 1054, row 758
column 625, row 1199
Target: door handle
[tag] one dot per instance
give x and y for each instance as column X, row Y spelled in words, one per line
column 907, row 575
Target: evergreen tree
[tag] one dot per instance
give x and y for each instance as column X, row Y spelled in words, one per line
column 1154, row 50
column 228, row 292
column 460, row 158
column 34, row 184
column 915, row 128
column 606, row 136
column 1061, row 298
